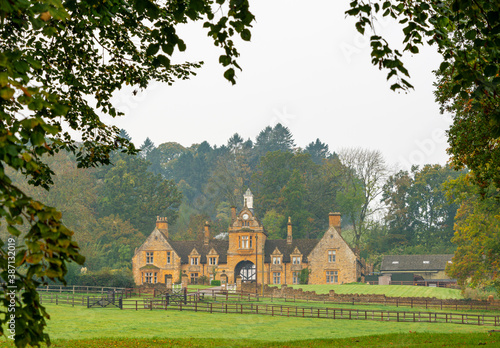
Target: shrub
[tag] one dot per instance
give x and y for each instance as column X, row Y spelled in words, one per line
column 479, row 294
column 203, row 280
column 304, row 276
column 215, row 283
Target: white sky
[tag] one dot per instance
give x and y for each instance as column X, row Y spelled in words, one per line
column 306, row 67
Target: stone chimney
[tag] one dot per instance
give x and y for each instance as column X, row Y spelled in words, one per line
column 233, row 213
column 207, row 233
column 289, row 231
column 334, row 221
column 162, row 225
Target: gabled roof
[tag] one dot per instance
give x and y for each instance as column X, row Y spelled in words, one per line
column 184, row 247
column 417, row 263
column 305, row 247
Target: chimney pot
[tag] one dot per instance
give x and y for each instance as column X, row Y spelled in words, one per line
column 162, row 225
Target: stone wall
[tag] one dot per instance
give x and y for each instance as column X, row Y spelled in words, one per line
column 300, row 294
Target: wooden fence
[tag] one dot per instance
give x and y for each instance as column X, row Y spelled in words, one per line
column 79, row 289
column 312, row 312
column 362, row 300
column 193, row 304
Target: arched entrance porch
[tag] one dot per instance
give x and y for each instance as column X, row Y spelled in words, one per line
column 246, row 270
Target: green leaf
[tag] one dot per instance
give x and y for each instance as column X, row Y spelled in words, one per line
column 6, row 93
column 37, row 138
column 471, row 35
column 246, row 35
column 443, row 66
column 163, row 60
column 167, row 48
column 14, row 231
column 181, row 45
column 490, row 70
column 152, row 49
column 225, row 60
column 229, row 75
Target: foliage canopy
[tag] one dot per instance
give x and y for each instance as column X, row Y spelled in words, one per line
column 60, row 63
column 467, row 36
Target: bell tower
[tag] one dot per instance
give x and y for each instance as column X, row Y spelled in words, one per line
column 248, row 199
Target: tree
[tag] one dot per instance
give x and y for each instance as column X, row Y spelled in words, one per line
column 477, row 234
column 466, row 34
column 52, row 70
column 124, row 135
column 364, row 172
column 274, row 223
column 271, row 139
column 418, row 212
column 131, row 191
column 318, row 151
column 147, row 147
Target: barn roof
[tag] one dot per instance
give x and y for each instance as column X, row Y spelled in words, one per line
column 415, row 263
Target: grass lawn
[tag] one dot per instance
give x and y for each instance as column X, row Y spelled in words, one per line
column 388, row 290
column 127, row 328
column 76, row 323
column 390, row 340
column 370, row 307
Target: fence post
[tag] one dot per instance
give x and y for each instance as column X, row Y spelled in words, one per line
column 88, row 301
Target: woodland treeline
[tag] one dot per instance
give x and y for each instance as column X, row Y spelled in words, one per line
column 113, row 208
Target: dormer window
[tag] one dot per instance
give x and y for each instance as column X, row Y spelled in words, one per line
column 194, row 261
column 395, row 262
column 426, row 262
column 276, row 260
column 296, row 260
column 212, row 261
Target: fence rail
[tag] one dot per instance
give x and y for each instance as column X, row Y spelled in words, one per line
column 354, row 300
column 312, row 312
column 80, row 289
column 193, row 304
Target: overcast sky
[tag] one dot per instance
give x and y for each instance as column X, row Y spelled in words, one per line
column 307, row 68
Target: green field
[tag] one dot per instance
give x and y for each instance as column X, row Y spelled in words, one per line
column 391, row 340
column 388, row 290
column 128, row 328
column 68, row 322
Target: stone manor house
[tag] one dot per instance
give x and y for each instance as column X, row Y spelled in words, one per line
column 247, row 253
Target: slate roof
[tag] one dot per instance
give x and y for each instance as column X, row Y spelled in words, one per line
column 184, row 247
column 414, row 263
column 305, row 247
